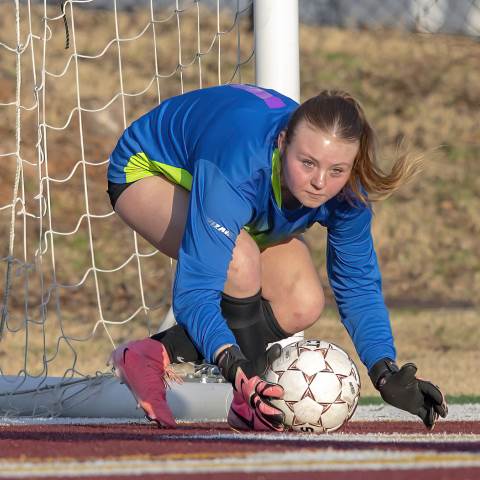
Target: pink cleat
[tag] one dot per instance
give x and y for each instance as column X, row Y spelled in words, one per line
column 143, row 365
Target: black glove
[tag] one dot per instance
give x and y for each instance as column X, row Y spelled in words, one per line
column 399, row 387
column 274, row 352
column 256, row 393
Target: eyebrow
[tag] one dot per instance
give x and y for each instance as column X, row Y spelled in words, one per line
column 307, row 155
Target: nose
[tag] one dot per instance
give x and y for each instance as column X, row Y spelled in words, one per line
column 318, row 180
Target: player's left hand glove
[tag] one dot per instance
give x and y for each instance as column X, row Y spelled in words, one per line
column 402, row 389
column 251, row 407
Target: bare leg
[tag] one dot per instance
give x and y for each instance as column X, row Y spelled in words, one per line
column 157, row 210
column 291, row 283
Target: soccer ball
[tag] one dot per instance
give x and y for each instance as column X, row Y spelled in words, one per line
column 321, row 383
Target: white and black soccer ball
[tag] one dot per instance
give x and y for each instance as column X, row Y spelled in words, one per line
column 321, row 383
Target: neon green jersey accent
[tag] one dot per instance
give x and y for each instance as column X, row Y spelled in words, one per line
column 276, row 182
column 140, row 166
column 262, row 239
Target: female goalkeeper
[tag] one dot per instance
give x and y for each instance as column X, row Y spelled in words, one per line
column 225, row 180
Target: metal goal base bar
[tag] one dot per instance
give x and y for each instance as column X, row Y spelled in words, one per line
column 105, row 397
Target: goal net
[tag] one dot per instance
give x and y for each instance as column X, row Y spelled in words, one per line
column 75, row 281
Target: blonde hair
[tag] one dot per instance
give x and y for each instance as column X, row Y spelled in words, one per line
column 338, row 113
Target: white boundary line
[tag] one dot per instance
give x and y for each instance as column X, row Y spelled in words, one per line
column 320, row 439
column 466, row 412
column 299, row 460
column 456, row 412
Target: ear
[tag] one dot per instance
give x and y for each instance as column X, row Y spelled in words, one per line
column 281, row 142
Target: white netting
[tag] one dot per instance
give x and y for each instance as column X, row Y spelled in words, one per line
column 75, row 280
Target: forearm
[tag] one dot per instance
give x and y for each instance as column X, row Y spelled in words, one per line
column 198, row 311
column 368, row 325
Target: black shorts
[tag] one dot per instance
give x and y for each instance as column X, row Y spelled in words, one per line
column 115, row 190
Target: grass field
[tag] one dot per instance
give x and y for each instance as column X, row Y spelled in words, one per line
column 419, row 89
column 430, row 338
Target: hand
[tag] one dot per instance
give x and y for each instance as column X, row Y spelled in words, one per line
column 251, row 405
column 274, row 352
column 400, row 388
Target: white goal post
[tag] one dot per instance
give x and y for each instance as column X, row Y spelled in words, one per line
column 69, row 293
column 276, row 46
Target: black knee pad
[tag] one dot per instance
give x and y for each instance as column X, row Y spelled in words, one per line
column 241, row 312
column 244, row 317
column 272, row 331
column 178, row 345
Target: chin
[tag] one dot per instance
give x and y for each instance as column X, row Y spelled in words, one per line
column 314, row 202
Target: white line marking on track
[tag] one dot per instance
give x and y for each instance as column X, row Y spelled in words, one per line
column 456, row 412
column 330, row 437
column 464, row 412
column 298, row 460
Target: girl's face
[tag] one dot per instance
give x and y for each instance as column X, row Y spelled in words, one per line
column 315, row 166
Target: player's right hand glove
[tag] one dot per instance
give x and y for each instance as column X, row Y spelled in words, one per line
column 251, row 407
column 402, row 389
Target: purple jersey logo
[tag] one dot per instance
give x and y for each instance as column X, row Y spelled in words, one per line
column 268, row 98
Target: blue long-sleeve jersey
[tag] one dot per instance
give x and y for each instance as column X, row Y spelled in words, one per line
column 220, row 143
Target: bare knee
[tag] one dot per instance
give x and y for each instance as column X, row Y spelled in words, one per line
column 305, row 310
column 244, row 275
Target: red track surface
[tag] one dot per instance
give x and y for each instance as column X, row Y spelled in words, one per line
column 81, row 443
column 433, row 474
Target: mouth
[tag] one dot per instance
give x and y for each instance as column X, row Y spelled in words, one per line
column 315, row 199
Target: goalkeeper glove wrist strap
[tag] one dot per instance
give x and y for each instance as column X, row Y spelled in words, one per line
column 229, row 360
column 381, row 371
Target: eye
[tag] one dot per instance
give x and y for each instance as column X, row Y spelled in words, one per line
column 307, row 163
column 337, row 171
